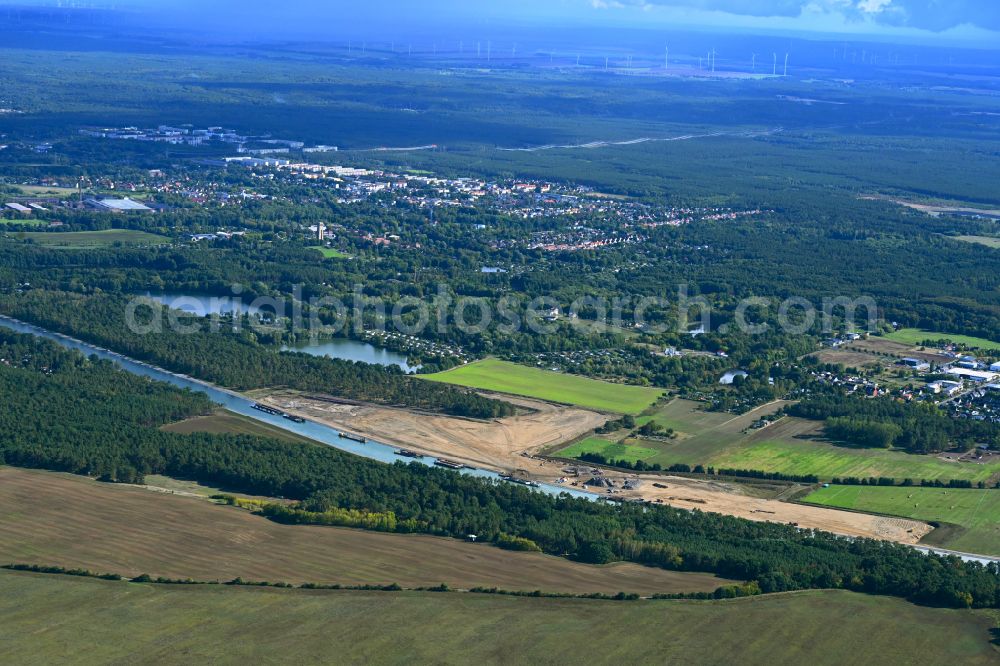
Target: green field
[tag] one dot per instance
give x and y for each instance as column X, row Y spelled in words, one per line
column 73, row 240
column 828, row 460
column 789, row 446
column 46, row 190
column 608, row 449
column 505, row 377
column 330, row 253
column 687, row 417
column 973, row 515
column 988, row 241
column 914, row 336
column 700, row 435
column 53, row 619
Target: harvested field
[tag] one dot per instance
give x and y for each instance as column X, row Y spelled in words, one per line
column 58, row 519
column 229, row 422
column 55, row 619
column 892, row 350
column 848, row 358
column 883, row 346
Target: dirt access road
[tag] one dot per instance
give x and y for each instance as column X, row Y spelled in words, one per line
column 511, row 445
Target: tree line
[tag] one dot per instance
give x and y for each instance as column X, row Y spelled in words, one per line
column 884, row 422
column 235, row 359
column 67, row 413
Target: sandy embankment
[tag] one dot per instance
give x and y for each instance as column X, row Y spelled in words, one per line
column 510, row 444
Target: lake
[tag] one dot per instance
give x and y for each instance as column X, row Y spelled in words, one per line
column 203, row 306
column 342, row 348
column 352, row 350
column 240, row 404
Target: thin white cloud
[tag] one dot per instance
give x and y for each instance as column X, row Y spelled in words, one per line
column 931, row 15
column 874, row 6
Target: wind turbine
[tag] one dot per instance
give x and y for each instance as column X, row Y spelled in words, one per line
column 774, row 71
column 666, row 57
column 786, row 64
column 753, row 62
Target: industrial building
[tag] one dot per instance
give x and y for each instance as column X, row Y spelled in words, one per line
column 119, row 205
column 973, row 375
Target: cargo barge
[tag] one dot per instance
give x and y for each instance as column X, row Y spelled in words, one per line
column 519, row 481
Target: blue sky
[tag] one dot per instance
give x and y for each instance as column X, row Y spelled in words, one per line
column 944, row 21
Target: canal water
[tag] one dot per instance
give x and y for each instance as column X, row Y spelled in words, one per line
column 321, row 433
column 235, row 402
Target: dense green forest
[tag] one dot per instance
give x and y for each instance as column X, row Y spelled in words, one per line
column 234, row 359
column 823, row 238
column 114, row 437
column 885, row 422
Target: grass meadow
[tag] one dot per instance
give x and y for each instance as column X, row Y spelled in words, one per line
column 973, row 516
column 915, row 336
column 506, row 377
column 789, row 446
column 76, row 240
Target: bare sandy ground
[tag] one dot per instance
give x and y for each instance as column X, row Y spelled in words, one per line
column 500, row 444
column 511, row 445
column 726, row 499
